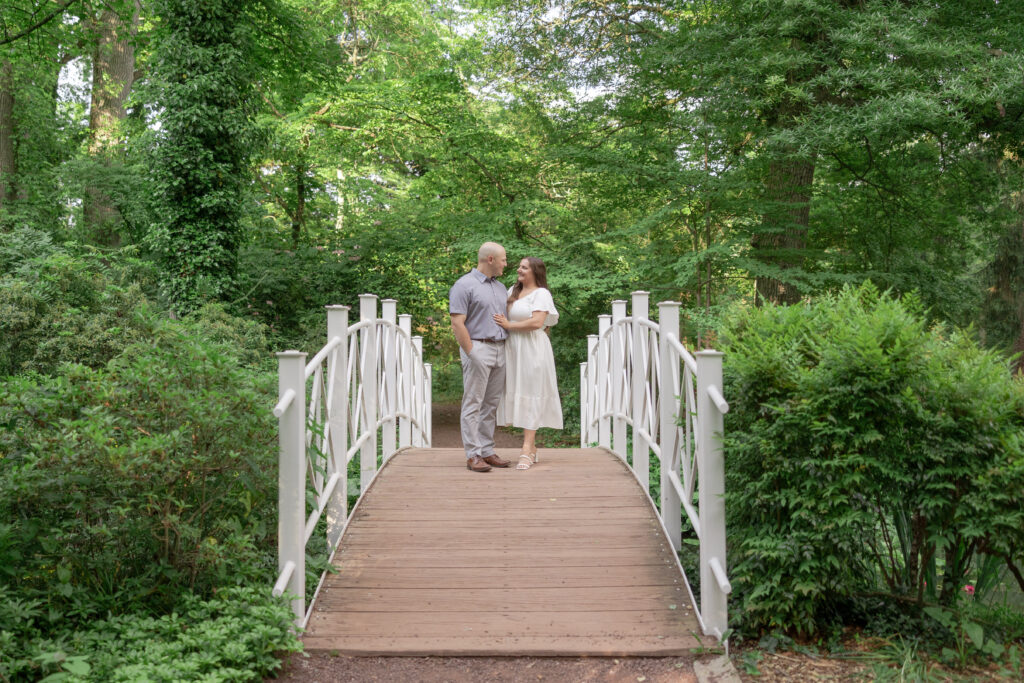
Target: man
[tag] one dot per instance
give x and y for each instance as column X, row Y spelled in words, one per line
column 472, row 302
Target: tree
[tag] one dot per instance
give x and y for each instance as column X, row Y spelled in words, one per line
column 204, row 94
column 113, row 72
column 35, row 47
column 6, row 131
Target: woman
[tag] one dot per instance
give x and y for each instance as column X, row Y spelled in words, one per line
column 531, row 389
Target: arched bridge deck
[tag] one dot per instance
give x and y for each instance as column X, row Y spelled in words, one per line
column 568, row 558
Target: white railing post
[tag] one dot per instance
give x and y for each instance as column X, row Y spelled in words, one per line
column 406, row 391
column 428, row 418
column 671, row 512
column 711, row 493
column 291, row 477
column 337, row 421
column 583, row 405
column 420, row 397
column 638, row 389
column 593, row 391
column 604, row 392
column 619, row 373
column 389, row 312
column 370, row 378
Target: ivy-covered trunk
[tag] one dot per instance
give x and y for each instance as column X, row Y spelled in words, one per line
column 202, row 63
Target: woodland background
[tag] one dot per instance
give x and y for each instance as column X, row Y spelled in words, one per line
column 184, row 184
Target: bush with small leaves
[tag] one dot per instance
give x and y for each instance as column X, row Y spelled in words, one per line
column 867, row 453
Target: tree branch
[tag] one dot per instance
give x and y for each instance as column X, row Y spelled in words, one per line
column 39, row 24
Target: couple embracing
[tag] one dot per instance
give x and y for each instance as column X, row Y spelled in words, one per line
column 508, row 368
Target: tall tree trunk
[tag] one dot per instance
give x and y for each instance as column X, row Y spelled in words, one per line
column 1004, row 308
column 1018, row 348
column 1013, row 280
column 299, row 217
column 6, row 132
column 784, row 227
column 113, row 71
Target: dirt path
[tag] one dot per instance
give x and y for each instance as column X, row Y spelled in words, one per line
column 446, row 433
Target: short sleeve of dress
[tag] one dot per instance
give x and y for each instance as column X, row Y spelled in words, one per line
column 542, row 301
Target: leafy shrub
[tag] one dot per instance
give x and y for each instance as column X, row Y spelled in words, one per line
column 68, row 305
column 866, row 453
column 124, row 485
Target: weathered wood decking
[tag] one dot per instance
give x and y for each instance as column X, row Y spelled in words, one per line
column 567, row 558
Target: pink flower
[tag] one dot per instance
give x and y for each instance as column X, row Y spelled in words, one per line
column 969, row 589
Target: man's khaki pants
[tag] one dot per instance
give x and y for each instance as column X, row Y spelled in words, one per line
column 483, row 383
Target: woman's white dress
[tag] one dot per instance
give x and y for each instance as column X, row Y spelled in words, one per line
column 531, row 387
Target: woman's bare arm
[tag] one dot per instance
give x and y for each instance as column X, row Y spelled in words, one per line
column 534, row 322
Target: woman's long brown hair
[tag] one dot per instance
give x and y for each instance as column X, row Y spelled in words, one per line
column 540, row 277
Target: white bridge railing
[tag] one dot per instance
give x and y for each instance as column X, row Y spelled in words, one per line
column 638, row 373
column 366, row 390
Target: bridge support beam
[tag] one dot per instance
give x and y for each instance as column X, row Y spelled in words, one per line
column 593, row 405
column 638, row 387
column 428, row 399
column 389, row 396
column 405, row 404
column 368, row 375
column 671, row 506
column 711, row 493
column 604, row 390
column 337, row 422
column 620, row 379
column 291, row 478
column 419, row 439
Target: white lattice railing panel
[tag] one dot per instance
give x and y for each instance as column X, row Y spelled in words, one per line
column 643, row 392
column 366, row 390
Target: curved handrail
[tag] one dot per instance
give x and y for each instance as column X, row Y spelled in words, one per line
column 367, row 387
column 642, row 392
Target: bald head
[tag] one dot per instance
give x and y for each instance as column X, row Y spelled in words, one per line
column 491, row 260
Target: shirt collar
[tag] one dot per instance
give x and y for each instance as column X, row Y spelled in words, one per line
column 480, row 276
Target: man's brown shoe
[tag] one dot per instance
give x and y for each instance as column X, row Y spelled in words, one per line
column 496, row 461
column 477, row 464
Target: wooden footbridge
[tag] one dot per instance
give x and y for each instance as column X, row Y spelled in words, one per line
column 571, row 557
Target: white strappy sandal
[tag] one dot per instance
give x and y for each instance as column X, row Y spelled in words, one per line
column 528, row 463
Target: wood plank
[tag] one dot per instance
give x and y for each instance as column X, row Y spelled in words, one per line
column 371, row 575
column 566, row 528
column 634, row 623
column 505, row 646
column 567, row 559
column 531, row 517
column 505, row 557
column 501, row 599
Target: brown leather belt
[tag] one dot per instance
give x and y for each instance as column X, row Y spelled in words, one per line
column 489, row 341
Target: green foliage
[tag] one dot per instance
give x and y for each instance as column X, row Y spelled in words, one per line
column 286, row 290
column 235, row 635
column 168, row 449
column 203, row 88
column 867, row 452
column 68, row 304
